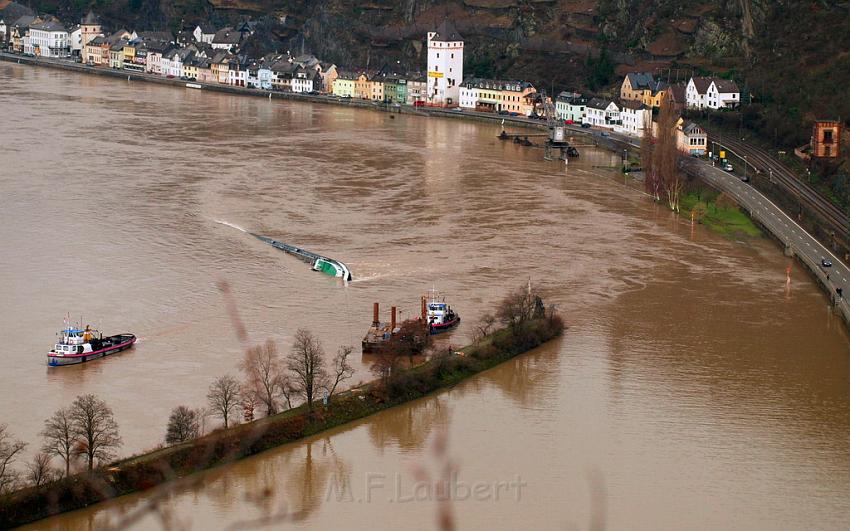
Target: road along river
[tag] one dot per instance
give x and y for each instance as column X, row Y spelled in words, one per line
column 696, row 388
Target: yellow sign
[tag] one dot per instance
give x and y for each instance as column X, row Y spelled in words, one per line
column 722, row 154
column 435, row 74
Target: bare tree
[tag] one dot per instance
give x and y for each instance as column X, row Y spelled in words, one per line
column 264, row 371
column 182, row 425
column 249, row 404
column 9, row 449
column 667, row 155
column 517, row 307
column 39, row 470
column 659, row 157
column 341, row 369
column 385, row 364
column 651, row 182
column 59, row 437
column 203, row 414
column 223, row 397
column 286, row 390
column 483, row 327
column 96, row 429
column 306, row 362
column 411, row 339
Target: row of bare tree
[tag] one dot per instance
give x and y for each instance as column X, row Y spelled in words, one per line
column 271, row 382
column 86, row 429
column 659, row 156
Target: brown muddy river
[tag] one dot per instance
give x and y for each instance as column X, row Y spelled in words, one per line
column 693, row 390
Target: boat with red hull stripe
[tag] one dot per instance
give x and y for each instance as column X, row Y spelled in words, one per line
column 437, row 328
column 79, row 346
column 439, row 316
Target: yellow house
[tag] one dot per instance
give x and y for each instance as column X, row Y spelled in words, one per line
column 204, row 71
column 116, row 54
column 94, row 51
column 642, row 87
column 361, row 87
column 190, row 69
column 344, row 85
column 129, row 52
column 656, row 97
column 376, row 90
column 220, row 66
column 491, row 95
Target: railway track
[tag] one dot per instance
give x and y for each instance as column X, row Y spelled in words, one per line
column 782, row 175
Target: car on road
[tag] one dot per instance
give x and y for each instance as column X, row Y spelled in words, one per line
column 502, row 113
column 727, row 166
column 568, row 122
column 585, row 125
column 825, row 263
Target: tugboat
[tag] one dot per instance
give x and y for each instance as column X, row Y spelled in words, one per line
column 80, row 346
column 439, row 315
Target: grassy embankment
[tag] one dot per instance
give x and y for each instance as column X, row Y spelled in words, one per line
column 718, row 213
column 227, row 445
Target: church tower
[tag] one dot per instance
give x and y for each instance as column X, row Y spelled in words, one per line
column 445, row 66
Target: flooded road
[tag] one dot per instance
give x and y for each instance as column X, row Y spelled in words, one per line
column 694, row 389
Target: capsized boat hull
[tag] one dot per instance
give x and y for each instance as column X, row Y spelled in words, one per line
column 332, row 268
column 326, row 265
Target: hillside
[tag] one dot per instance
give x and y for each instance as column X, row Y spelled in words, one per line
column 577, row 44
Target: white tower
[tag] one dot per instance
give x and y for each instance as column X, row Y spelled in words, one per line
column 445, row 65
column 90, row 26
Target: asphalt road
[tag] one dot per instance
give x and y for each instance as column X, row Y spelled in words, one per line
column 808, row 249
column 763, row 162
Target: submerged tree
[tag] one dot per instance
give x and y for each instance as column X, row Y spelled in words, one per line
column 59, row 437
column 306, row 363
column 224, row 397
column 95, row 429
column 9, row 450
column 183, row 425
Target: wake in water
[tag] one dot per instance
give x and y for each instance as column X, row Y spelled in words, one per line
column 237, row 227
column 367, row 279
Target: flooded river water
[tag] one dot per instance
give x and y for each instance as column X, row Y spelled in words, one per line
column 695, row 389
